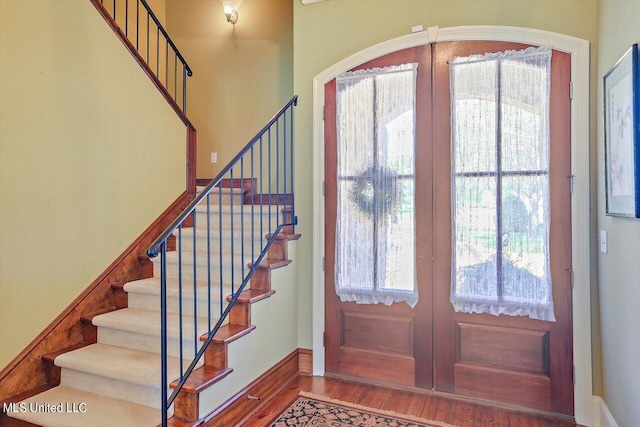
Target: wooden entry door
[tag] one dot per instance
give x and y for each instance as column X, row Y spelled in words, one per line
column 511, row 359
column 377, row 342
column 507, row 359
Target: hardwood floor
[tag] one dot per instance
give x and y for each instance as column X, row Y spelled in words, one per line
column 459, row 412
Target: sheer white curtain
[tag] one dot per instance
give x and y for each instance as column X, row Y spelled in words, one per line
column 500, row 183
column 375, row 177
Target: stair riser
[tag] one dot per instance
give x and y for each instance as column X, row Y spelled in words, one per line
column 136, row 393
column 152, row 302
column 237, row 220
column 215, row 247
column 151, row 344
column 225, row 238
column 237, row 199
column 201, row 273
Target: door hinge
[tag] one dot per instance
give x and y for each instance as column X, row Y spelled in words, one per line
column 571, row 89
column 324, row 339
column 324, row 188
column 573, row 372
column 324, row 110
column 570, row 271
column 571, row 178
column 323, row 263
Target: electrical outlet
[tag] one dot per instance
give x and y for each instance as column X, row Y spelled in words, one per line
column 214, row 157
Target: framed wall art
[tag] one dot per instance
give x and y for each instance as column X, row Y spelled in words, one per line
column 622, row 136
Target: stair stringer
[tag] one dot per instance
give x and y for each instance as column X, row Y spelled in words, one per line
column 275, row 336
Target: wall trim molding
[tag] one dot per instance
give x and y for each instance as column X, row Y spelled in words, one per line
column 603, row 417
column 305, row 361
column 239, row 406
column 580, row 138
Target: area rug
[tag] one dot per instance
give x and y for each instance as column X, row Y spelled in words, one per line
column 315, row 411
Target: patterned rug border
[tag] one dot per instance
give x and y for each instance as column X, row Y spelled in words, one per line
column 377, row 411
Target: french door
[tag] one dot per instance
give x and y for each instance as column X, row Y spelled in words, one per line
column 507, row 359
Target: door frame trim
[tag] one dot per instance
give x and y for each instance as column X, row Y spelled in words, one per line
column 580, row 146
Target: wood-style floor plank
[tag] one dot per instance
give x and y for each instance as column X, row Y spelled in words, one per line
column 430, row 406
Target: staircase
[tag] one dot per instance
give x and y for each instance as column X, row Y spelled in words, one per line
column 152, row 340
column 116, row 380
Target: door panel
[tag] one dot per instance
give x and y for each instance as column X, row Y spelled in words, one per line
column 519, row 349
column 508, row 359
column 380, row 342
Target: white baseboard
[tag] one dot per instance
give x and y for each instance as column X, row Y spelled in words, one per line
column 603, row 417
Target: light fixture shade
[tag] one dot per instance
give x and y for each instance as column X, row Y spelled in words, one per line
column 230, row 13
column 232, row 17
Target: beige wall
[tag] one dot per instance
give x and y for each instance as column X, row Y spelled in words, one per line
column 90, row 155
column 327, row 32
column 620, row 266
column 243, row 73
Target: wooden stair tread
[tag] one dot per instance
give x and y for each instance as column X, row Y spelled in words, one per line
column 272, row 264
column 285, row 236
column 229, row 333
column 118, row 286
column 251, row 296
column 202, row 378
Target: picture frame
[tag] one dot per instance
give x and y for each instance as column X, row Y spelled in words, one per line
column 622, row 136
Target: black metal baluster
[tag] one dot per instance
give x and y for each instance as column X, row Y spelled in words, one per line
column 269, row 177
column 184, row 89
column 195, row 280
column 126, row 18
column 180, row 297
column 293, row 213
column 284, row 164
column 220, row 251
column 261, row 194
column 147, row 36
column 157, row 51
column 138, row 25
column 208, row 261
column 163, row 334
column 233, row 281
column 253, row 219
column 242, row 264
column 278, row 213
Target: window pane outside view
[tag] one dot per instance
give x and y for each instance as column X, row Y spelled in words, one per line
column 513, row 269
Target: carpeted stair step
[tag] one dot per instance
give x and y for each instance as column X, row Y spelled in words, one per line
column 82, row 409
column 252, row 219
column 116, row 372
column 233, row 267
column 145, row 294
column 218, row 242
column 138, row 329
column 226, row 196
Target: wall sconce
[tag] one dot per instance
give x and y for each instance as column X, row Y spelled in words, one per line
column 231, row 13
